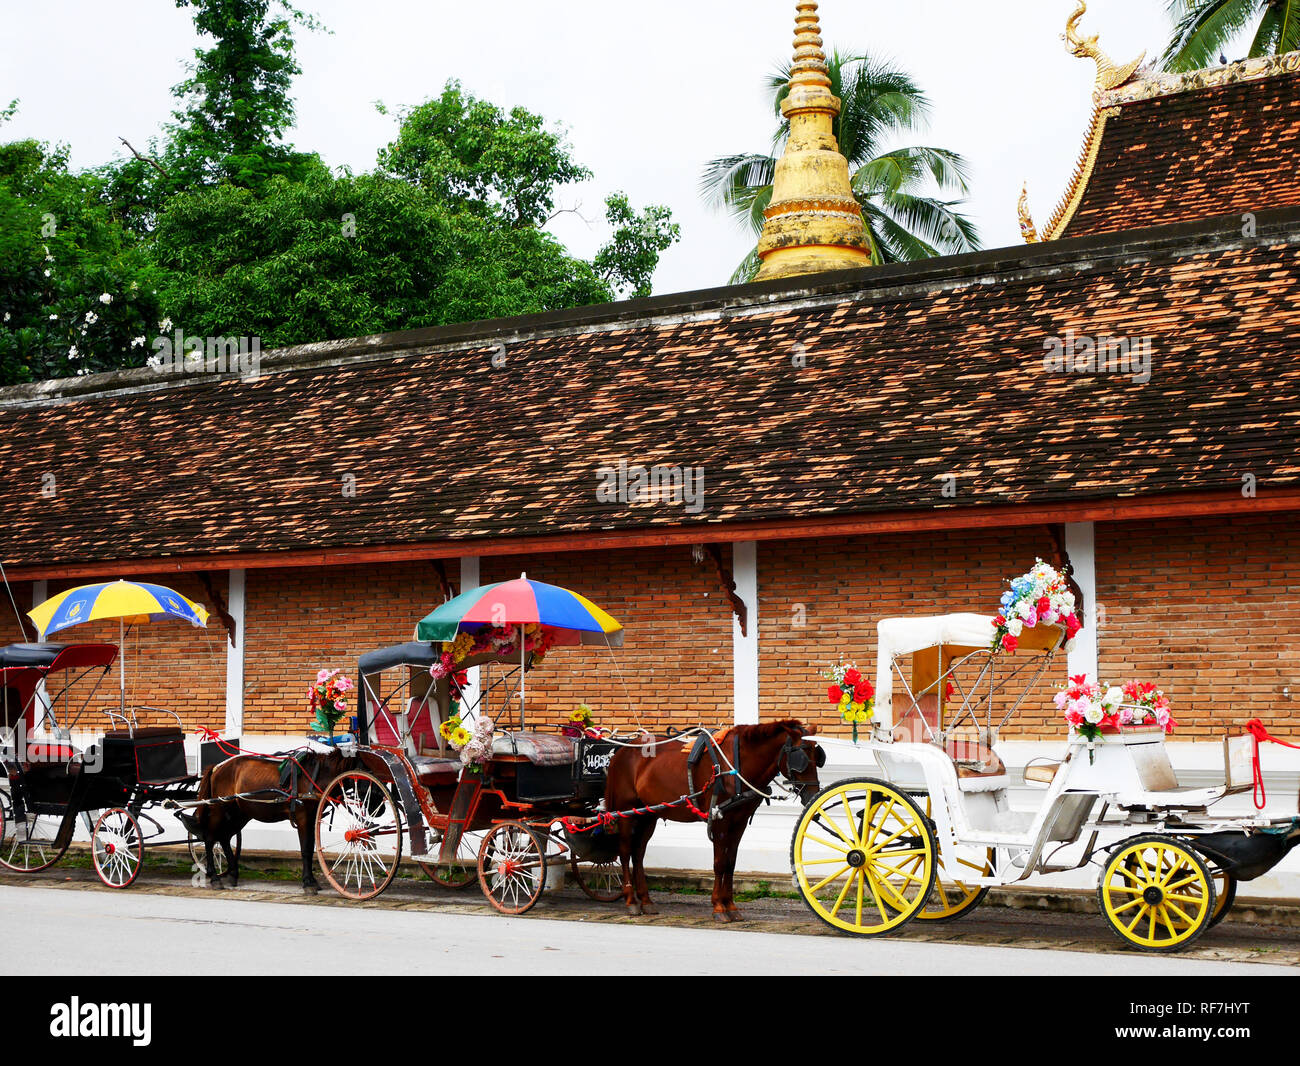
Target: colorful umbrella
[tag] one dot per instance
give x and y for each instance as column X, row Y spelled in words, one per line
column 574, row 618
column 127, row 601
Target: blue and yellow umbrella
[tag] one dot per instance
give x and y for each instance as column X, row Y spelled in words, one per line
column 130, row 602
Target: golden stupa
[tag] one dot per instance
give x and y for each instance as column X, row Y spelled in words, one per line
column 814, row 222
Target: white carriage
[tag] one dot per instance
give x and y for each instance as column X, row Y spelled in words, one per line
column 935, row 830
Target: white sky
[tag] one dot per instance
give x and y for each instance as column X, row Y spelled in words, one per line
column 648, row 92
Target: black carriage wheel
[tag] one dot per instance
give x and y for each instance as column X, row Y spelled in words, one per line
column 512, row 867
column 1225, row 894
column 31, row 844
column 602, row 881
column 462, row 871
column 358, row 835
column 117, row 848
column 219, row 864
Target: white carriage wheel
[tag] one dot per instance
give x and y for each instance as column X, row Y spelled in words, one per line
column 117, row 847
column 219, row 864
column 358, row 835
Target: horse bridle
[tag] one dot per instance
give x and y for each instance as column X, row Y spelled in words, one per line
column 794, row 759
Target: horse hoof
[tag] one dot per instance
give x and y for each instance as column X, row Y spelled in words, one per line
column 635, row 910
column 721, row 916
column 735, row 916
column 311, row 890
column 649, row 908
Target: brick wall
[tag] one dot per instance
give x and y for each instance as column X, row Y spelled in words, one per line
column 168, row 663
column 839, row 588
column 1208, row 609
column 303, row 620
column 676, row 657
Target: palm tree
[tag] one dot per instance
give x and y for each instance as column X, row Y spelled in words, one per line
column 879, row 102
column 1203, row 30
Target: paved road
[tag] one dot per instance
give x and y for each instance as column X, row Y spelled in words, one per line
column 95, row 933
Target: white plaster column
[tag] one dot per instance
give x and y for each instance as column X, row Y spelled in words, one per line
column 235, row 604
column 744, row 647
column 1081, row 546
column 469, row 579
column 41, row 593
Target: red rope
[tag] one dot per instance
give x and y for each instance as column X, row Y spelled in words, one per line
column 1256, row 729
column 608, row 819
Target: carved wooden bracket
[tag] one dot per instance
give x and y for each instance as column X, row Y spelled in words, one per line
column 444, row 582
column 729, row 588
column 1061, row 560
column 219, row 607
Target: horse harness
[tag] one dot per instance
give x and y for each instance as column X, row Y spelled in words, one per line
column 729, row 789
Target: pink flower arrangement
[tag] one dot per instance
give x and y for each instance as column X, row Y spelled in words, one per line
column 1087, row 708
column 1146, row 705
column 329, row 699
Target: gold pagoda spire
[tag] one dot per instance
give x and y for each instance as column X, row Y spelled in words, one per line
column 814, row 222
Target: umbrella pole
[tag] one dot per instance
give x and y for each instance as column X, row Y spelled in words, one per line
column 121, row 666
column 523, row 678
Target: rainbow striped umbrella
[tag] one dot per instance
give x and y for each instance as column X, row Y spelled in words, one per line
column 127, row 601
column 573, row 617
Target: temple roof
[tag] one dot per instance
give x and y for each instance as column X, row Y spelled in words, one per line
column 1164, row 149
column 858, row 392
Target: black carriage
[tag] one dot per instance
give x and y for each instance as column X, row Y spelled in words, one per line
column 114, row 785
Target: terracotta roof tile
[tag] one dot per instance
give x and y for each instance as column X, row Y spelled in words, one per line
column 911, row 375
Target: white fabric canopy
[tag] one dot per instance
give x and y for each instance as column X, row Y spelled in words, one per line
column 897, row 637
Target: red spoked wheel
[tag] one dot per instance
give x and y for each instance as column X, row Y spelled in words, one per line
column 602, row 881
column 358, row 835
column 512, row 867
column 117, row 847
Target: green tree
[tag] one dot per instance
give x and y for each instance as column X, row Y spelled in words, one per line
column 77, row 294
column 880, row 104
column 1204, row 29
column 629, row 260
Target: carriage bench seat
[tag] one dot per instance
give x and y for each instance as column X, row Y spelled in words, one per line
column 1183, row 799
column 1043, row 773
column 45, row 751
column 431, row 766
column 540, row 749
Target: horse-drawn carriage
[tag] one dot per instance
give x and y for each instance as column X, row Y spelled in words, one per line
column 498, row 821
column 114, row 785
column 936, row 830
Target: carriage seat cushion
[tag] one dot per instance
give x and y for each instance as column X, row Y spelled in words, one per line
column 428, row 765
column 45, row 751
column 1043, row 773
column 152, row 732
column 540, row 749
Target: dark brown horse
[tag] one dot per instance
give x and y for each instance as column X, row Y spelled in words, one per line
column 636, row 780
column 256, row 787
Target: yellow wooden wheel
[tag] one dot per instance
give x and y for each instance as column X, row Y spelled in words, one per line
column 1156, row 893
column 864, row 857
column 951, row 899
column 1225, row 894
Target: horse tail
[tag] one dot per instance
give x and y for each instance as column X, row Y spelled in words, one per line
column 205, row 784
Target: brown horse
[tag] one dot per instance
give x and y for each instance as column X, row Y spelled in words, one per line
column 636, row 780
column 252, row 783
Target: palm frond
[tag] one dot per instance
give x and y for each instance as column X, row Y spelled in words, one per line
column 1204, row 28
column 934, row 222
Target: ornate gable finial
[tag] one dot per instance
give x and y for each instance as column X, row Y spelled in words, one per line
column 1027, row 228
column 1109, row 75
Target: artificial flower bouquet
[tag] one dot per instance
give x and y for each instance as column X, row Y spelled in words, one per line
column 474, row 744
column 329, row 700
column 580, row 720
column 1091, row 710
column 852, row 695
column 1042, row 595
column 501, row 640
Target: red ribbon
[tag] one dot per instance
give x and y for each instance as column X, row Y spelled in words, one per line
column 1256, row 729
